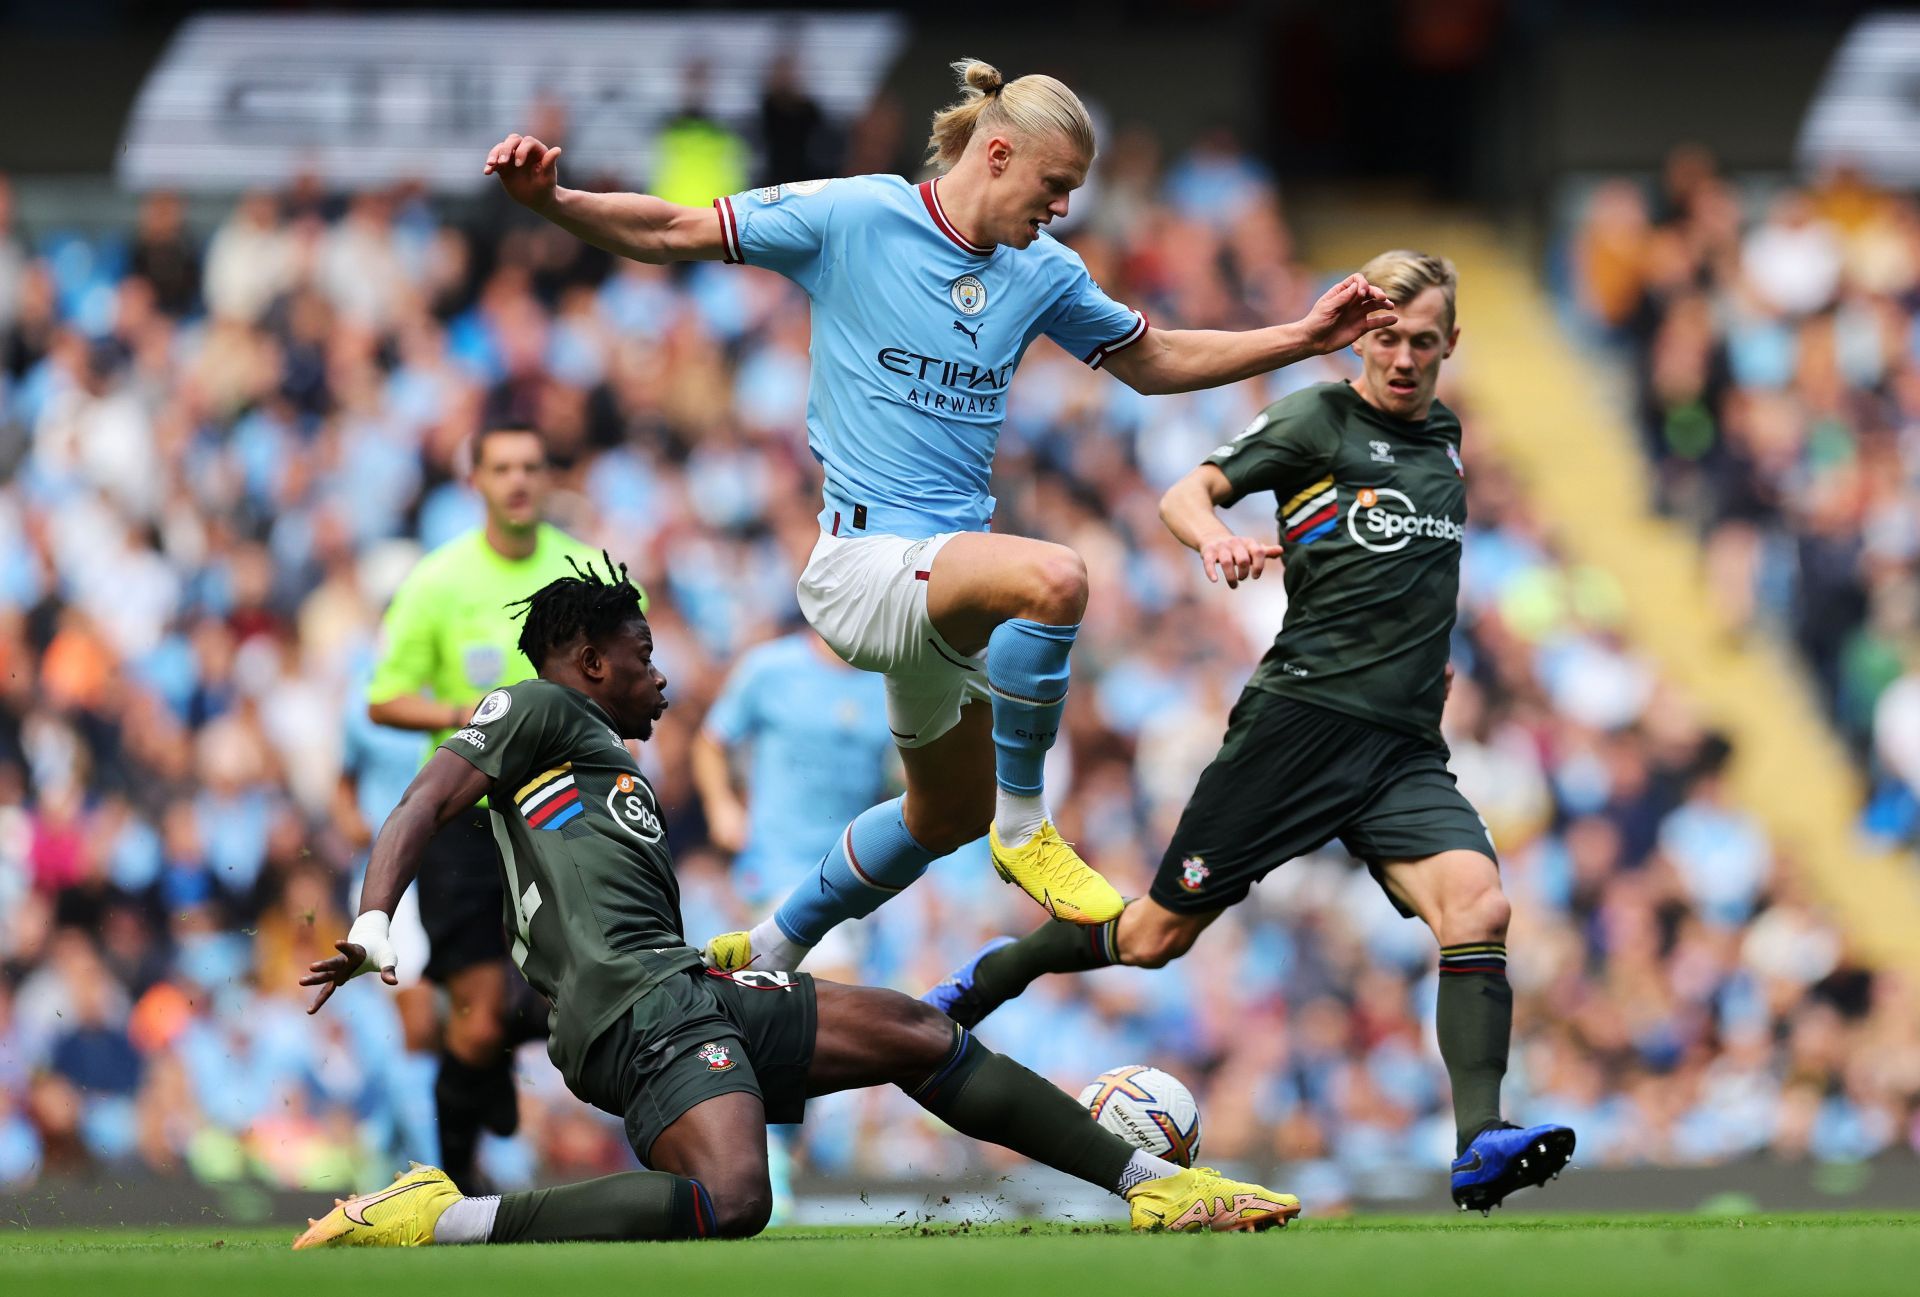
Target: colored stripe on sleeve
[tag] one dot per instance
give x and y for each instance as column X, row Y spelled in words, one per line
column 729, row 231
column 561, row 818
column 1100, row 354
column 1312, row 497
column 541, row 780
column 557, row 810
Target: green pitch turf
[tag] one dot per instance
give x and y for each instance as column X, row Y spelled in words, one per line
column 1857, row 1255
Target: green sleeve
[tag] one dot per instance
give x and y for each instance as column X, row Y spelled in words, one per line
column 509, row 736
column 1288, row 446
column 406, row 664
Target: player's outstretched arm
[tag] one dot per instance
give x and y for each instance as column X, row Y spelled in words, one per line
column 638, row 226
column 444, row 788
column 1188, row 509
column 1185, row 360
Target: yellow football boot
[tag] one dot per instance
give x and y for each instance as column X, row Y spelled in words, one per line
column 401, row 1215
column 729, row 952
column 1200, row 1198
column 1049, row 870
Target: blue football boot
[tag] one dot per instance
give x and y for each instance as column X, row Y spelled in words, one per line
column 958, row 998
column 1504, row 1158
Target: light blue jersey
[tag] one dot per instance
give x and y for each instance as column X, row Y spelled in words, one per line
column 916, row 334
column 818, row 747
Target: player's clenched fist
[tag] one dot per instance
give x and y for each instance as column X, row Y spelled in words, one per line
column 1236, row 558
column 529, row 171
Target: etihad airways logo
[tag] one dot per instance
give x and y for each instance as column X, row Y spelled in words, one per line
column 948, row 386
column 947, row 373
column 1384, row 520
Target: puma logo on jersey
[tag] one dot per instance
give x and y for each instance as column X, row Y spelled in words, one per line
column 973, row 334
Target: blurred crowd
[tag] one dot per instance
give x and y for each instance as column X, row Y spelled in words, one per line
column 1774, row 334
column 222, row 453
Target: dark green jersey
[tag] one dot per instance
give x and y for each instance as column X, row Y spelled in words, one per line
column 1372, row 512
column 591, row 900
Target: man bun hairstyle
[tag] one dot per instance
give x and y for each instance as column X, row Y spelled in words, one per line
column 1403, row 275
column 571, row 606
column 1034, row 106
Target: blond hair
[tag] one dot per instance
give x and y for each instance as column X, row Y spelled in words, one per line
column 1034, row 106
column 1403, row 275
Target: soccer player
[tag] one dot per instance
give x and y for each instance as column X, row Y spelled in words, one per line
column 1338, row 732
column 448, row 639
column 696, row 1060
column 810, row 734
column 924, row 298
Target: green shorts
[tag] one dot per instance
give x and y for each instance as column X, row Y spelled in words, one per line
column 1290, row 778
column 699, row 1035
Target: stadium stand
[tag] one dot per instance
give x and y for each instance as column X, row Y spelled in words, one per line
column 221, row 455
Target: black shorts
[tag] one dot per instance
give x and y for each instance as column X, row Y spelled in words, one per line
column 697, row 1036
column 460, row 896
column 1290, row 778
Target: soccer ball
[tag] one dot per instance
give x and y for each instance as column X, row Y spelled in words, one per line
column 1149, row 1109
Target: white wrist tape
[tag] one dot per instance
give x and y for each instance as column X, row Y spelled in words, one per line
column 369, row 932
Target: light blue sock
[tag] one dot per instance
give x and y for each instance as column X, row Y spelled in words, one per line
column 874, row 860
column 1027, row 671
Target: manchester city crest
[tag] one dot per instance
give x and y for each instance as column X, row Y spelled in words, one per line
column 969, row 295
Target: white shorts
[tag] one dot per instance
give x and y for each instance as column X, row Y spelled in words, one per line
column 866, row 596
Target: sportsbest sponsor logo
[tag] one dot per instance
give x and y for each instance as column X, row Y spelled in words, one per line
column 1384, row 520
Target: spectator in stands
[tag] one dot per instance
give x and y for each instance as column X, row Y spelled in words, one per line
column 796, row 137
column 164, row 255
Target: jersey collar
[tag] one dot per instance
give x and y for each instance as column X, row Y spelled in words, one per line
column 930, row 195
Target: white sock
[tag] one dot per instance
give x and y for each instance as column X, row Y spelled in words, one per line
column 774, row 950
column 1016, row 818
column 469, row 1220
column 1142, row 1167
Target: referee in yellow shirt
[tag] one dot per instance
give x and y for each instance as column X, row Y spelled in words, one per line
column 448, row 639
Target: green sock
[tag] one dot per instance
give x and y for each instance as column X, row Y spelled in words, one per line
column 632, row 1205
column 1049, row 948
column 1474, row 1021
column 989, row 1097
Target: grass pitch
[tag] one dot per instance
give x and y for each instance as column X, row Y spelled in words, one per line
column 1859, row 1255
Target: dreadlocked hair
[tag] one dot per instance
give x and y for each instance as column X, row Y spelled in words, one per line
column 570, row 606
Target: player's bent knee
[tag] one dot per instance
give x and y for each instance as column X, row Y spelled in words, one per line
column 1059, row 586
column 1156, row 947
column 742, row 1212
column 918, row 1037
column 1491, row 913
column 1479, row 913
column 477, row 1036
